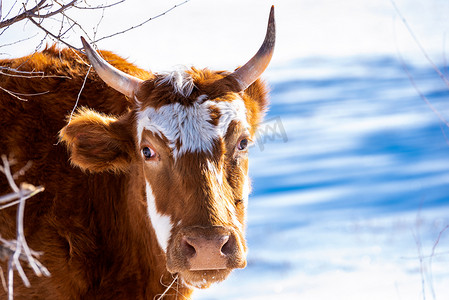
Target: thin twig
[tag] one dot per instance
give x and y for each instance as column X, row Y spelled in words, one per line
column 100, row 6
column 79, row 94
column 12, row 94
column 143, row 23
column 415, row 86
column 25, row 196
column 2, row 276
column 23, row 15
column 19, row 248
column 421, row 264
column 95, row 29
column 167, row 289
column 74, row 23
column 55, row 12
column 19, row 41
column 11, row 9
column 29, row 74
column 431, row 258
column 22, row 170
column 404, row 21
column 424, row 98
column 59, row 38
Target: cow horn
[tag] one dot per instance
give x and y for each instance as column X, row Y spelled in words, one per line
column 118, row 80
column 252, row 70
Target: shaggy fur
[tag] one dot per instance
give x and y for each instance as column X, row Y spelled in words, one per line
column 91, row 222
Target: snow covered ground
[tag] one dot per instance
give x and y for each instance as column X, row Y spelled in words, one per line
column 350, row 186
column 351, row 172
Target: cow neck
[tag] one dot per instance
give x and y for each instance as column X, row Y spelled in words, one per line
column 121, row 216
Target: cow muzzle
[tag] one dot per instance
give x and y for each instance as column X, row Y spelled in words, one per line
column 206, row 253
column 210, row 253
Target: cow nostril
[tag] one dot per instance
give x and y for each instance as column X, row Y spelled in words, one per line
column 210, row 249
column 187, row 248
column 227, row 246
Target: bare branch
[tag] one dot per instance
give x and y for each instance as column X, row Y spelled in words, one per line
column 45, row 9
column 75, row 23
column 23, row 15
column 423, row 97
column 18, row 41
column 409, row 29
column 168, row 287
column 7, row 171
column 18, row 250
column 29, row 74
column 79, row 94
column 143, row 23
column 11, row 8
column 50, row 14
column 22, row 171
column 59, row 38
column 415, row 86
column 100, row 6
column 3, row 280
column 431, row 259
column 12, row 94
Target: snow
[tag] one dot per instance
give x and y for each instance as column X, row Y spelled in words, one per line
column 350, row 172
column 350, row 200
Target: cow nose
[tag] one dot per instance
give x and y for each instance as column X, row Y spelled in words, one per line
column 207, row 253
column 201, row 248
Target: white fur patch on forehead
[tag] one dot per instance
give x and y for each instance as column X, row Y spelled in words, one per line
column 181, row 81
column 189, row 128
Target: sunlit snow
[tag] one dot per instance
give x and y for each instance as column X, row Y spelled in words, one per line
column 350, row 172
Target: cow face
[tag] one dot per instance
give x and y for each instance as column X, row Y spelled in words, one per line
column 188, row 133
column 194, row 150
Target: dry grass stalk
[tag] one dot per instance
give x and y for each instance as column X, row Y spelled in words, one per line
column 17, row 250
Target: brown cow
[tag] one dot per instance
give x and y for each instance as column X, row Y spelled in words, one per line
column 146, row 185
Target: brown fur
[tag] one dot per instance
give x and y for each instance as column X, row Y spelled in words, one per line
column 91, row 222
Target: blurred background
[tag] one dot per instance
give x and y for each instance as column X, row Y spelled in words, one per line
column 350, row 171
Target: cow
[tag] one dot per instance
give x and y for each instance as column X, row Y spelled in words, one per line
column 146, row 184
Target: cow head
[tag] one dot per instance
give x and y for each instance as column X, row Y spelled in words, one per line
column 188, row 134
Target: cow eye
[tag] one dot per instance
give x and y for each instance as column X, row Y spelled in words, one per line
column 243, row 144
column 148, row 153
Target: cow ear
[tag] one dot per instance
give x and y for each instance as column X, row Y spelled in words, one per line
column 256, row 99
column 97, row 142
column 258, row 91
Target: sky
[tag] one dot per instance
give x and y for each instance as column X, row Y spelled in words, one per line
column 225, row 34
